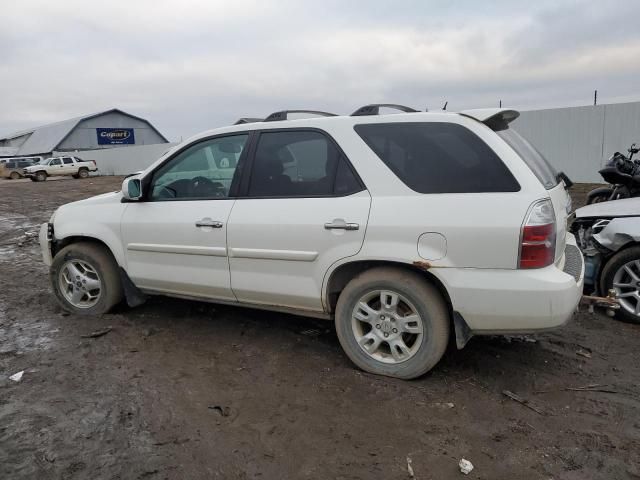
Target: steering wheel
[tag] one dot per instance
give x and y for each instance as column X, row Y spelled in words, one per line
column 203, row 187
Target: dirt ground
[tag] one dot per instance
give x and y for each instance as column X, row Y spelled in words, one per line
column 180, row 389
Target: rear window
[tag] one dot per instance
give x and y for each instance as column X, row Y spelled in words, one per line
column 539, row 165
column 433, row 157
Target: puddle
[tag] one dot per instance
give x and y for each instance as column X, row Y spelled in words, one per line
column 16, row 232
column 14, row 223
column 17, row 338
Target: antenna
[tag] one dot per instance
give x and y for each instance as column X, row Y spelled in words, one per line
column 444, row 107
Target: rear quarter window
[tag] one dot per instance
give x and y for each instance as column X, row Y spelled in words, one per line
column 536, row 162
column 436, row 157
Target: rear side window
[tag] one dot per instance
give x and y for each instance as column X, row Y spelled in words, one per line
column 539, row 165
column 67, row 160
column 433, row 157
column 300, row 164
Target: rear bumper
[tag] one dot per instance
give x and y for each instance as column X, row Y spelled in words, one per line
column 518, row 301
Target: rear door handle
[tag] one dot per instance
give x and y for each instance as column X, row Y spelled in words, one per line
column 341, row 225
column 207, row 222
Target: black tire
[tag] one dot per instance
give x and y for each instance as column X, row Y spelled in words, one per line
column 106, row 268
column 14, row 176
column 32, row 179
column 603, row 197
column 83, row 173
column 41, row 176
column 74, row 176
column 608, row 272
column 428, row 303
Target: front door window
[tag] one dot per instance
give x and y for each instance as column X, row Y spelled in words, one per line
column 203, row 171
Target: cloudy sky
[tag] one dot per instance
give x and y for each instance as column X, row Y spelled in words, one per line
column 190, row 65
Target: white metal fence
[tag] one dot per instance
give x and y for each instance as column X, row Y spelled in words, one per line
column 579, row 140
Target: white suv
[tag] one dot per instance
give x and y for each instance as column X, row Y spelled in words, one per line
column 408, row 229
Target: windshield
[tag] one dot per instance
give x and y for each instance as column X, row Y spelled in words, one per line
column 539, row 165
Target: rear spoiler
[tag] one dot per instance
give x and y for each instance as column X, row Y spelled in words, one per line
column 495, row 118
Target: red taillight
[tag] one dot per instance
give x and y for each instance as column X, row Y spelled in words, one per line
column 538, row 244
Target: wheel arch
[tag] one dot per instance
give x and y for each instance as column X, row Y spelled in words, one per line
column 59, row 244
column 342, row 274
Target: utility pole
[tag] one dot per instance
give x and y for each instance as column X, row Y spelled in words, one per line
column 500, row 103
column 595, row 97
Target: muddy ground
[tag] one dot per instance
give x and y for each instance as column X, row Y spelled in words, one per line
column 181, row 389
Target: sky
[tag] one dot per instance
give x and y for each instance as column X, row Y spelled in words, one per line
column 189, row 65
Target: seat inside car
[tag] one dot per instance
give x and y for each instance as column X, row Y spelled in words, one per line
column 268, row 176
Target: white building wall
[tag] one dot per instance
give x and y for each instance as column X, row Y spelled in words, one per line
column 123, row 160
column 579, row 140
column 84, row 135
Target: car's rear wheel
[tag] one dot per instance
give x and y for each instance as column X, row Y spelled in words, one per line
column 41, row 176
column 83, row 173
column 85, row 279
column 392, row 322
column 622, row 274
column 14, row 176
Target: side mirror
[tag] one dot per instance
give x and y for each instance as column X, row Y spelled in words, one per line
column 132, row 188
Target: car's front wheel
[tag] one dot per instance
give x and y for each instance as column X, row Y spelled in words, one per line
column 622, row 274
column 392, row 322
column 85, row 279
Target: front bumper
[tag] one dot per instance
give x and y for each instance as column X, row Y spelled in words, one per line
column 518, row 301
column 45, row 237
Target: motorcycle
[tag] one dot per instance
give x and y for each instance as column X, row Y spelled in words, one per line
column 623, row 173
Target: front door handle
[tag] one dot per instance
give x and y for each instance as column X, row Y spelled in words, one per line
column 339, row 224
column 207, row 222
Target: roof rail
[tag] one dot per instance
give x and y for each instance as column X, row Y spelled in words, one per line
column 284, row 114
column 374, row 109
column 248, row 120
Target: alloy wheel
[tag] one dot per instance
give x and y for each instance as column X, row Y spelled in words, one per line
column 80, row 283
column 626, row 284
column 387, row 326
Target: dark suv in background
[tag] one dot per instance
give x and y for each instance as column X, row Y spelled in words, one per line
column 13, row 169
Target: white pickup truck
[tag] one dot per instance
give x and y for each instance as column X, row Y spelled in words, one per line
column 55, row 166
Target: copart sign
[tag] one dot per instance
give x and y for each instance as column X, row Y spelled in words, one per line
column 115, row 136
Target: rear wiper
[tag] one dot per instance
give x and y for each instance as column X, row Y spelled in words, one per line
column 561, row 176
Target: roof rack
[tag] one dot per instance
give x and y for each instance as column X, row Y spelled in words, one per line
column 284, row 114
column 248, row 120
column 374, row 109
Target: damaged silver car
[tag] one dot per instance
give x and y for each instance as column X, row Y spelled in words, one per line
column 608, row 234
